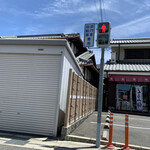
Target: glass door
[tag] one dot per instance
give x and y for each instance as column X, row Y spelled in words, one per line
column 123, row 99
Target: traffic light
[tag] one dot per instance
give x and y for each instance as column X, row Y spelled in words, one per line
column 103, row 35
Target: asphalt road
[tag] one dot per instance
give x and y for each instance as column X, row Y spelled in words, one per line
column 139, row 128
column 88, row 127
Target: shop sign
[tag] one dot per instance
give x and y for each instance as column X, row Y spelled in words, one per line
column 139, row 98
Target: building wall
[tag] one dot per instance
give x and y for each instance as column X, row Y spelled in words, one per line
column 30, row 49
column 74, row 49
column 112, row 94
column 149, row 98
column 67, row 63
column 120, row 53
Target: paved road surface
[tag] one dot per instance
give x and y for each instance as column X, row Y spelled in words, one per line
column 88, row 127
column 139, row 128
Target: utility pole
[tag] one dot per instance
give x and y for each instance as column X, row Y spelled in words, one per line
column 103, row 41
column 100, row 98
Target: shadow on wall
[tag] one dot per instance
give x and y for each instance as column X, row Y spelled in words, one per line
column 60, row 122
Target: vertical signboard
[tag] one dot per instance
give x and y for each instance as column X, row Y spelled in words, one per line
column 139, row 98
column 89, row 33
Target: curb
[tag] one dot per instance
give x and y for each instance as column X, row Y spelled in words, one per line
column 103, row 142
column 106, row 125
column 80, row 139
column 108, row 116
column 105, row 135
column 107, row 120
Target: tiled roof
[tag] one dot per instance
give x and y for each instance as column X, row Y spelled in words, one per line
column 45, row 36
column 127, row 67
column 131, row 41
column 85, row 57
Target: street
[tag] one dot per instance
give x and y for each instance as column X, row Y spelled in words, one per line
column 88, row 127
column 139, row 129
column 139, row 133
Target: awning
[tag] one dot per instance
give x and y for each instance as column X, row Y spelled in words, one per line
column 129, row 78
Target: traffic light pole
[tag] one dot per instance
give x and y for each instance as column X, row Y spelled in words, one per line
column 100, row 98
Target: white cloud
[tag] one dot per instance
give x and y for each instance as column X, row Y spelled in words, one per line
column 73, row 7
column 132, row 28
column 112, row 6
column 71, row 29
column 144, row 6
column 35, row 29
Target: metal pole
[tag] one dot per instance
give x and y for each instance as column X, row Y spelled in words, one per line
column 100, row 98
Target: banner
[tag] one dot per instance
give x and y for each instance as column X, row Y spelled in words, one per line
column 131, row 101
column 139, row 98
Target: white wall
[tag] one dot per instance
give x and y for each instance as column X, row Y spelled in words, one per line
column 31, row 49
column 68, row 63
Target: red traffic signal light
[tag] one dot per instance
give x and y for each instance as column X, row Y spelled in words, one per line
column 103, row 34
column 103, row 27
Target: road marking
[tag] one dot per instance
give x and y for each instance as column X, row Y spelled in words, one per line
column 133, row 118
column 102, row 115
column 124, row 126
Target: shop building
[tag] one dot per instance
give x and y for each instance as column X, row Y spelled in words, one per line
column 127, row 76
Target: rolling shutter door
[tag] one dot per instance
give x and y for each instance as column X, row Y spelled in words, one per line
column 28, row 93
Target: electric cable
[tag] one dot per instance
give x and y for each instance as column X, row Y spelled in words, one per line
column 104, row 12
column 101, row 11
column 98, row 15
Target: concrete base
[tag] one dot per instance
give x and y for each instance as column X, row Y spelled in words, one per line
column 126, row 148
column 110, row 146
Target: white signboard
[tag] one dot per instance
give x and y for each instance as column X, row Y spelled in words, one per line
column 139, row 98
column 89, row 33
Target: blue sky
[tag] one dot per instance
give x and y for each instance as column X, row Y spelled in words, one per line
column 128, row 18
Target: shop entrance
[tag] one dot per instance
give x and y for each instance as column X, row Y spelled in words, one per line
column 132, row 97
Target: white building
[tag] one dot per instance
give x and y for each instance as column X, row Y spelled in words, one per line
column 33, row 84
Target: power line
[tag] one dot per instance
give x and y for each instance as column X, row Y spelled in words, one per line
column 101, row 11
column 104, row 10
column 98, row 15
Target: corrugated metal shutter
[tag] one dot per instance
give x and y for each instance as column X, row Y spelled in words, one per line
column 28, row 93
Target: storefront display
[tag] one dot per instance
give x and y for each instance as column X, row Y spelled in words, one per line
column 132, row 97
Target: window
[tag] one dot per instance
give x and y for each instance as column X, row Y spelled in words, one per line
column 137, row 53
column 126, row 97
